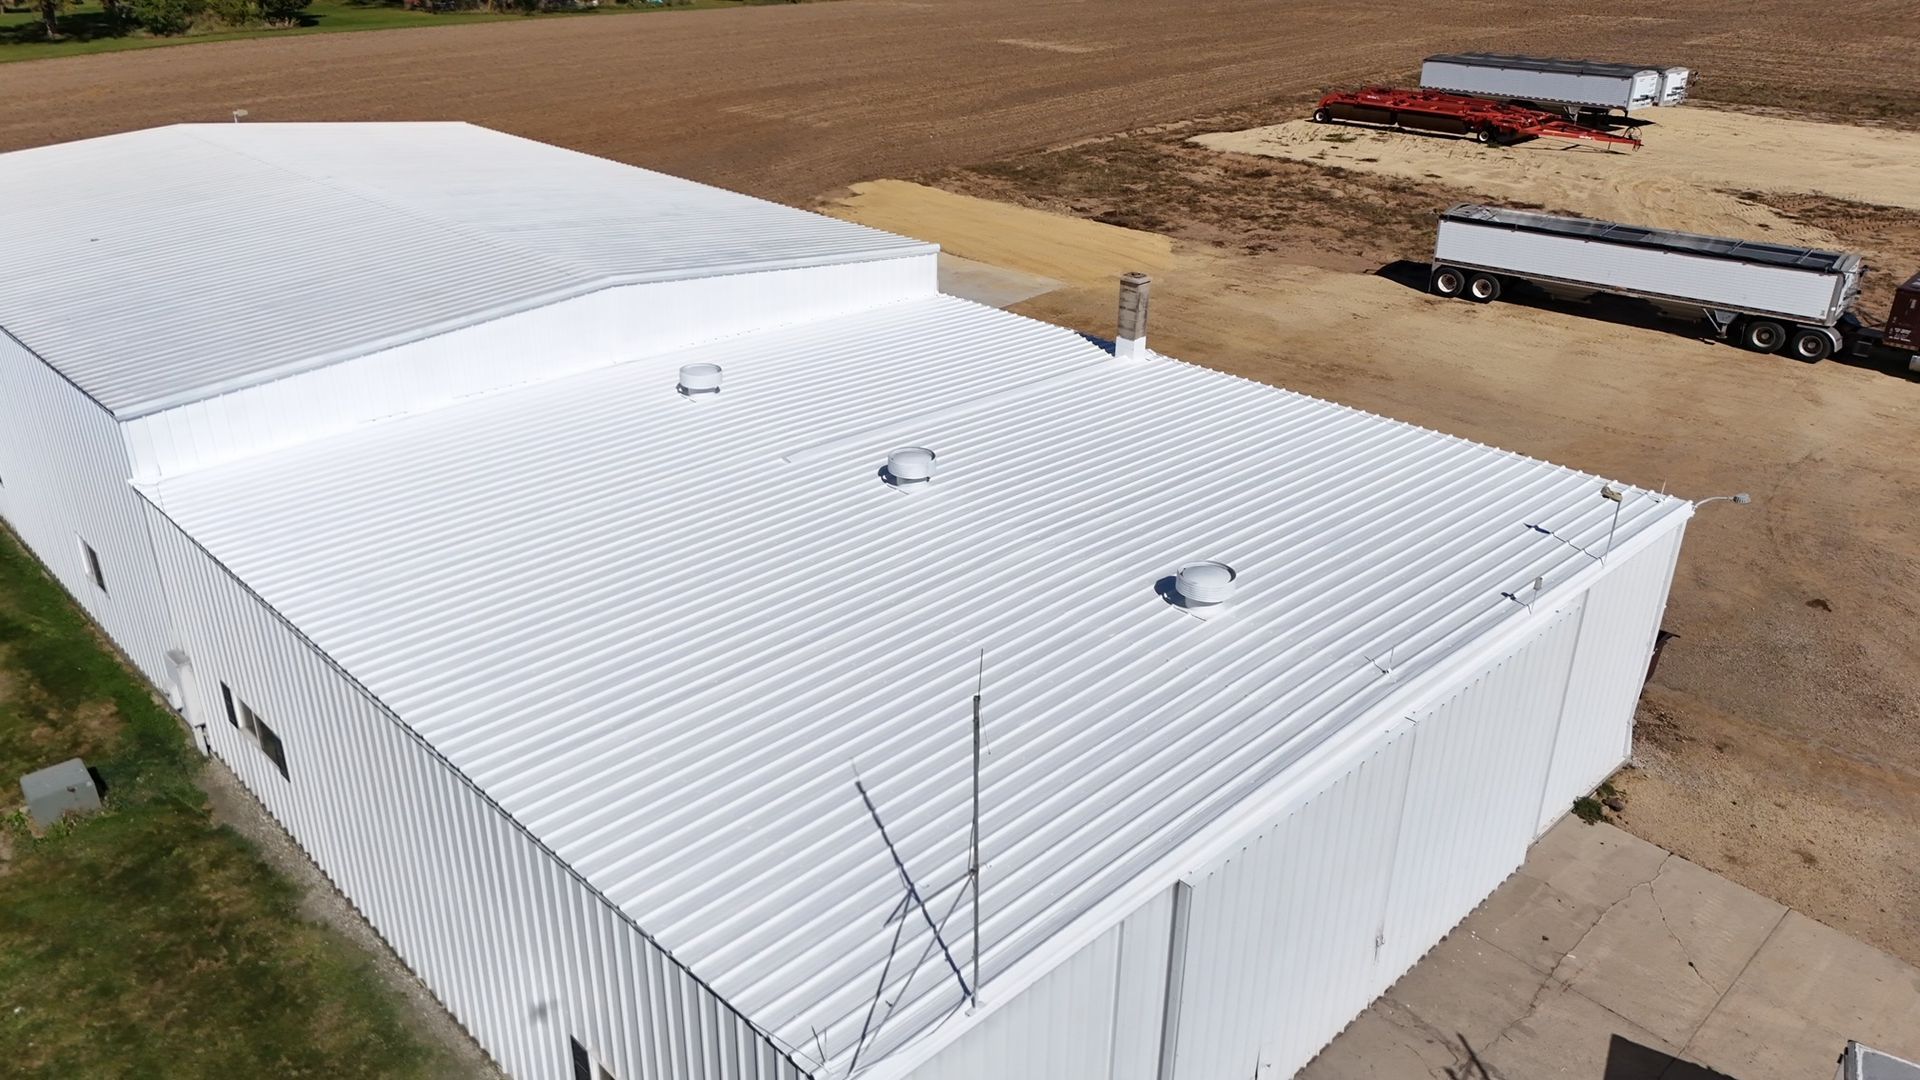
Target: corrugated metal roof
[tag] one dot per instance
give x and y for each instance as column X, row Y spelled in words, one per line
column 167, row 265
column 661, row 632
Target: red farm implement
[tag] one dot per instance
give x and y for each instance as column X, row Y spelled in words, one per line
column 1485, row 121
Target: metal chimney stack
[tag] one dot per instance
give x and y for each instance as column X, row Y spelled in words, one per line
column 1131, row 341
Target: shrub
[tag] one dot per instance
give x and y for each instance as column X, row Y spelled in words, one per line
column 164, row 17
column 282, row 12
column 230, row 12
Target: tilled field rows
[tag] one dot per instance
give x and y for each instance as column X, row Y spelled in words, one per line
column 789, row 102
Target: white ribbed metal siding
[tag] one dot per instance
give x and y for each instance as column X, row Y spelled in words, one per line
column 516, row 946
column 598, row 329
column 1280, row 939
column 63, row 477
column 1473, row 794
column 1807, row 295
column 1095, row 1017
column 1616, row 643
column 1296, row 931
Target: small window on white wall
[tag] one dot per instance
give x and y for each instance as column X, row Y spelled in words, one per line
column 269, row 741
column 92, row 558
column 583, row 1065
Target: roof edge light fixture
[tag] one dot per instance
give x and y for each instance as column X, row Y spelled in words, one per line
column 1203, row 588
column 699, row 379
column 1739, row 499
column 910, row 467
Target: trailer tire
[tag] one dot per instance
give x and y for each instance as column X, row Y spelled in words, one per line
column 1449, row 282
column 1322, row 116
column 1763, row 336
column 1484, row 136
column 1811, row 346
column 1484, row 288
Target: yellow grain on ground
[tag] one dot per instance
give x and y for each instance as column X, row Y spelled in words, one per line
column 1052, row 246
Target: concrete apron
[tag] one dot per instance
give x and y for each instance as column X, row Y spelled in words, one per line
column 1607, row 958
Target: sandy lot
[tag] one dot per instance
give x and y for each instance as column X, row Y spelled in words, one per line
column 1776, row 741
column 1690, row 175
column 1684, row 149
column 791, row 101
column 1077, row 250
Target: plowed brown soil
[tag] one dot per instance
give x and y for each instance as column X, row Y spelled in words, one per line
column 791, row 101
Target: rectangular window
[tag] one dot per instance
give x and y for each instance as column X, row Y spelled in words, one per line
column 226, row 697
column 270, row 743
column 93, row 565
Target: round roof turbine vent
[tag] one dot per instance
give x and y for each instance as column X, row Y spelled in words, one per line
column 910, row 467
column 698, row 379
column 1203, row 586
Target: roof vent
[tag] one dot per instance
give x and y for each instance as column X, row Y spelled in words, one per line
column 910, row 466
column 697, row 379
column 1203, row 586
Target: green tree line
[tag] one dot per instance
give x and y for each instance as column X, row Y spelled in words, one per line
column 168, row 17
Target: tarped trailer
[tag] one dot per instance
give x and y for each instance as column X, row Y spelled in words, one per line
column 1573, row 84
column 1766, row 296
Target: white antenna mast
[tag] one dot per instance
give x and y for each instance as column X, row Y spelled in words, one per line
column 973, row 859
column 913, row 891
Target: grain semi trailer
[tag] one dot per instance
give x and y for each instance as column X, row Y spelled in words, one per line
column 1575, row 86
column 1766, row 297
column 1673, row 85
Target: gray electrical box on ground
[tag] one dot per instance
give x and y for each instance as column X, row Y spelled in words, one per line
column 56, row 789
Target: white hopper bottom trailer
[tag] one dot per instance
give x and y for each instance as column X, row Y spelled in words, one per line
column 1673, row 85
column 1573, row 85
column 1767, row 297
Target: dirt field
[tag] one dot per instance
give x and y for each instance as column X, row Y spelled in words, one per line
column 1776, row 741
column 789, row 102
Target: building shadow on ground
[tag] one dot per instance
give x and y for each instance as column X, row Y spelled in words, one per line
column 1628, row 1060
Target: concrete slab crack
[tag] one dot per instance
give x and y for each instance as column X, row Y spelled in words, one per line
column 1400, row 1015
column 1653, row 892
column 1533, row 1006
column 1602, row 917
column 1554, row 979
column 1735, row 981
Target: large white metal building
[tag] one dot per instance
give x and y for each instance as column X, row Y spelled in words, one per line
column 371, row 446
